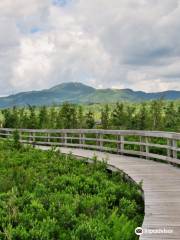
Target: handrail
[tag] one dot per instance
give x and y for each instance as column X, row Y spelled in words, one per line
column 159, row 145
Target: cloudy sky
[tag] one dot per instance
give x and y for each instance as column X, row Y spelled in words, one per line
column 104, row 43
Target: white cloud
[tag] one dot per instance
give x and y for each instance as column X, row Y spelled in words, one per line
column 33, row 67
column 118, row 43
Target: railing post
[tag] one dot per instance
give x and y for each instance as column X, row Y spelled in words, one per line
column 48, row 137
column 20, row 136
column 171, row 152
column 81, row 139
column 97, row 142
column 32, row 139
column 174, row 144
column 117, row 139
column 29, row 137
column 169, row 143
column 120, row 144
column 8, row 136
column 101, row 141
column 147, row 147
column 60, row 138
column 65, row 138
column 141, row 146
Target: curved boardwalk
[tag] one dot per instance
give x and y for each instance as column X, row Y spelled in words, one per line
column 161, row 185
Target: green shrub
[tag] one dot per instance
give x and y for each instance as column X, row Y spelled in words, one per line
column 16, row 140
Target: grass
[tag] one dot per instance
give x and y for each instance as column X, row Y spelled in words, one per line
column 45, row 195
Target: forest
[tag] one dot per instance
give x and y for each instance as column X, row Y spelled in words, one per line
column 158, row 115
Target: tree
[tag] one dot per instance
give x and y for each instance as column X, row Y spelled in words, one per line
column 118, row 115
column 68, row 116
column 10, row 118
column 90, row 122
column 32, row 119
column 24, row 120
column 59, row 122
column 7, row 118
column 15, row 117
column 43, row 117
column 105, row 117
column 170, row 116
column 156, row 108
column 52, row 117
column 130, row 119
column 142, row 117
column 80, row 117
column 21, row 117
column 178, row 120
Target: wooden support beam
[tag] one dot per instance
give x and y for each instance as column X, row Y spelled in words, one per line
column 65, row 138
column 147, row 147
column 174, row 144
column 169, row 151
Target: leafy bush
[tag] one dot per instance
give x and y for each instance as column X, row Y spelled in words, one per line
column 16, row 140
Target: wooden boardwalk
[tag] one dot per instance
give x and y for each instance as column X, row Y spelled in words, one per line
column 161, row 185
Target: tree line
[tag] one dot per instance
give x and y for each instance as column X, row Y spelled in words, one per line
column 153, row 115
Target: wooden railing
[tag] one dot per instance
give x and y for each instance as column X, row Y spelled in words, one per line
column 163, row 146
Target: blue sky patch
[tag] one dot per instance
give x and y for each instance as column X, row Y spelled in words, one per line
column 35, row 30
column 25, row 29
column 61, row 3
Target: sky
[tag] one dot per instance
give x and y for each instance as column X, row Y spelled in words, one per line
column 105, row 44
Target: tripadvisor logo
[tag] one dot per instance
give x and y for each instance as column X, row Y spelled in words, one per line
column 139, row 231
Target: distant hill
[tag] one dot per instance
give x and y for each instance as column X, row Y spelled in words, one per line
column 79, row 93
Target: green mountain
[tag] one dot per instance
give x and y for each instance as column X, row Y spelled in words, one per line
column 79, row 93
